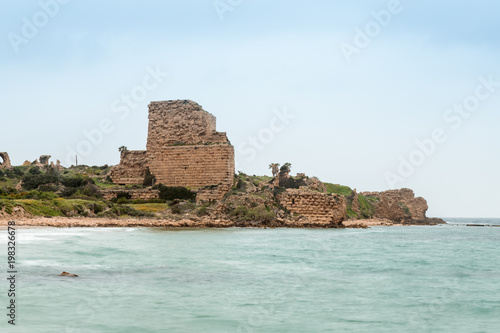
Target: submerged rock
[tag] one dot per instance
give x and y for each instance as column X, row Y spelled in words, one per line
column 68, row 274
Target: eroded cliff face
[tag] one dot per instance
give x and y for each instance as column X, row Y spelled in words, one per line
column 398, row 205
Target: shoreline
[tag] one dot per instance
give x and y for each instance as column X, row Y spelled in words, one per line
column 85, row 222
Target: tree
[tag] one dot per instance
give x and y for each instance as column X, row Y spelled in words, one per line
column 275, row 168
column 287, row 167
column 122, row 149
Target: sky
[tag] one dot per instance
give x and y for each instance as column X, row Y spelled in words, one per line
column 375, row 95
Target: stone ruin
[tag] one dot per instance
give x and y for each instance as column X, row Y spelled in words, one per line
column 183, row 149
column 43, row 162
column 44, row 159
column 315, row 206
column 5, row 161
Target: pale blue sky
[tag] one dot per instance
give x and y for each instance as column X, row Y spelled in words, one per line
column 353, row 120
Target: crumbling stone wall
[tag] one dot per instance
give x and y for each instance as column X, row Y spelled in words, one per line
column 181, row 122
column 5, row 161
column 317, row 207
column 132, row 168
column 183, row 149
column 213, row 193
column 142, row 194
column 44, row 159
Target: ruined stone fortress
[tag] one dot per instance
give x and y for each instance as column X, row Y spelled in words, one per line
column 183, row 149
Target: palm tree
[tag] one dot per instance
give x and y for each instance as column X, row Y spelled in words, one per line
column 287, row 167
column 275, row 168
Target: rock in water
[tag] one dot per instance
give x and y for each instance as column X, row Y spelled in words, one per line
column 68, row 274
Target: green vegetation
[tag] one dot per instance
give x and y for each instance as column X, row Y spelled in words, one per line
column 76, row 191
column 55, row 207
column 203, row 210
column 405, row 208
column 149, row 179
column 366, row 206
column 149, row 207
column 169, row 193
column 259, row 213
column 338, row 189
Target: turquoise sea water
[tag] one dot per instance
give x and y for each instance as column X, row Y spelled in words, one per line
column 384, row 279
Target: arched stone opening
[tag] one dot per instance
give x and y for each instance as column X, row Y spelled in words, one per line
column 5, row 161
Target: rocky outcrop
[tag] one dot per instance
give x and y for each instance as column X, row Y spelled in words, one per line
column 5, row 161
column 398, row 205
column 68, row 274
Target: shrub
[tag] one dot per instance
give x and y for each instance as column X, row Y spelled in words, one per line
column 68, row 191
column 92, row 190
column 34, row 171
column 260, row 213
column 48, row 188
column 74, row 181
column 7, row 206
column 123, row 195
column 176, row 209
column 33, row 181
column 18, row 171
column 97, row 207
column 169, row 193
column 149, row 179
column 202, row 211
column 38, row 195
column 122, row 201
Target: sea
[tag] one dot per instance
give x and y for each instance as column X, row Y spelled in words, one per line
column 443, row 278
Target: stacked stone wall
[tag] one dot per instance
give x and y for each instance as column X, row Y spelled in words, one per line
column 193, row 166
column 212, row 194
column 183, row 149
column 132, row 168
column 317, row 207
column 136, row 194
column 181, row 122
